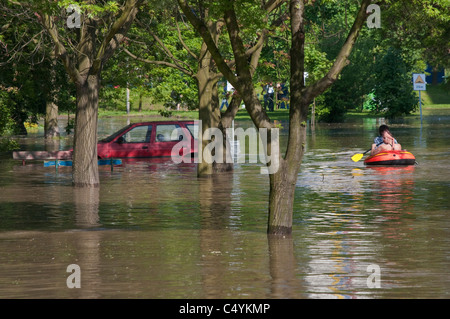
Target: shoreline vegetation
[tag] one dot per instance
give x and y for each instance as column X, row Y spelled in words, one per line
column 434, row 98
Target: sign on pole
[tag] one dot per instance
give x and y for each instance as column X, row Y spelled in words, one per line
column 419, row 84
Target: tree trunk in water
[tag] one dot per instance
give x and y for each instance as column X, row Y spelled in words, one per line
column 283, row 267
column 313, row 112
column 283, row 182
column 85, row 165
column 223, row 165
column 207, row 120
column 209, row 115
column 281, row 199
column 51, row 128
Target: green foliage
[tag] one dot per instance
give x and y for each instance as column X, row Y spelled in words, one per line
column 8, row 144
column 27, row 68
column 420, row 26
column 354, row 84
column 165, row 113
column 417, row 29
column 164, row 85
column 393, row 91
column 5, row 113
column 6, row 124
column 112, row 98
column 70, row 125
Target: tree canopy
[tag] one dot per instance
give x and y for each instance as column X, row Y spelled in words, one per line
column 417, row 30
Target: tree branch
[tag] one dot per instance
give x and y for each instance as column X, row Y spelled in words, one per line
column 169, row 53
column 200, row 26
column 164, row 63
column 60, row 49
column 342, row 59
column 183, row 43
column 116, row 33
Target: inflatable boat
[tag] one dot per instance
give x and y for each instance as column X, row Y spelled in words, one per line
column 391, row 158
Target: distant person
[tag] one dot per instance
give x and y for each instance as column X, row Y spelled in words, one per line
column 270, row 93
column 265, row 88
column 283, row 96
column 385, row 141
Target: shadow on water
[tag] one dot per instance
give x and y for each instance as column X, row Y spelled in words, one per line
column 154, row 230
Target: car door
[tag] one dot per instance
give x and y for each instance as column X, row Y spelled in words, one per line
column 133, row 143
column 166, row 137
column 193, row 136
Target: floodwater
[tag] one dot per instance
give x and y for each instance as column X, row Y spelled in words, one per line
column 153, row 230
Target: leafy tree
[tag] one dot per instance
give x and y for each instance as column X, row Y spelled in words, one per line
column 420, row 28
column 5, row 112
column 84, row 50
column 38, row 82
column 178, row 47
column 393, row 91
column 282, row 181
column 355, row 83
column 6, row 122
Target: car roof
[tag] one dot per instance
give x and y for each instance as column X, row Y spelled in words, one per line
column 162, row 122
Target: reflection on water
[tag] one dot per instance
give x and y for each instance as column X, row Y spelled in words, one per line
column 153, row 230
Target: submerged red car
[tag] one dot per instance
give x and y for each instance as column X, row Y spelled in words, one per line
column 150, row 139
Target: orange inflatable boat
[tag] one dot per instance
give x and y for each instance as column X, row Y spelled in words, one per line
column 391, row 158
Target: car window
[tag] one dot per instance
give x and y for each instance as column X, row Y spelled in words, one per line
column 118, row 133
column 193, row 129
column 139, row 134
column 168, row 133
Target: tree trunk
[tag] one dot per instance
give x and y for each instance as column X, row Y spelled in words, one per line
column 141, row 95
column 283, row 183
column 96, row 42
column 207, row 119
column 313, row 113
column 51, row 128
column 85, row 165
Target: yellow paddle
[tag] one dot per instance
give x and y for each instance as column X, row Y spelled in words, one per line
column 357, row 157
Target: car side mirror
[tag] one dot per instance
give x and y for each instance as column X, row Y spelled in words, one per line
column 120, row 140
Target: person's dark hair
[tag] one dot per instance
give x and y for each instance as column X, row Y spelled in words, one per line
column 383, row 128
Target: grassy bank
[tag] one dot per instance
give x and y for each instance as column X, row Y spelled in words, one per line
column 435, row 97
column 150, row 113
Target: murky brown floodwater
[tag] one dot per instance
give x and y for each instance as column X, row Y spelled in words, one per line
column 153, row 230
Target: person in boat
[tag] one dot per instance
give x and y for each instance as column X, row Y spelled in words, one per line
column 384, row 142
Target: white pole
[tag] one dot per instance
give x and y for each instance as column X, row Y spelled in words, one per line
column 233, row 143
column 128, row 100
column 420, row 107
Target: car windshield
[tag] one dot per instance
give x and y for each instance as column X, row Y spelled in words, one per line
column 113, row 136
column 193, row 129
